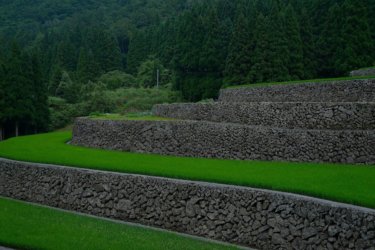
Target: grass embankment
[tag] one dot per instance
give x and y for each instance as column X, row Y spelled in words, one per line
column 346, row 183
column 322, row 80
column 28, row 226
column 133, row 117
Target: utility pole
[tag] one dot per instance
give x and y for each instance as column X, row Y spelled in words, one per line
column 157, row 78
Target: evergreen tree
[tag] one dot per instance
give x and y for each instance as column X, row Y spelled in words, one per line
column 309, row 59
column 271, row 55
column 87, row 67
column 215, row 45
column 138, row 51
column 19, row 85
column 55, row 78
column 294, row 44
column 106, row 50
column 40, row 97
column 204, row 42
column 357, row 46
column 239, row 61
column 261, row 69
column 330, row 42
column 190, row 37
column 280, row 56
column 66, row 56
column 67, row 89
column 166, row 48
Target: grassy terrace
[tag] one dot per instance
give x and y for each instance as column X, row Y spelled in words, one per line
column 322, row 80
column 129, row 117
column 26, row 226
column 346, row 183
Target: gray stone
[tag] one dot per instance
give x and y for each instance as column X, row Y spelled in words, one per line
column 363, row 72
column 334, row 91
column 306, row 115
column 181, row 206
column 205, row 139
column 124, row 205
column 333, row 231
column 308, row 232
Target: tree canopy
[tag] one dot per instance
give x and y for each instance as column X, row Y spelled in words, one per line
column 63, row 48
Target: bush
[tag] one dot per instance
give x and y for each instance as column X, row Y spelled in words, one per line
column 142, row 99
column 118, row 79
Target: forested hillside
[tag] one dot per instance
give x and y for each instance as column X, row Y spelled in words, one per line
column 93, row 55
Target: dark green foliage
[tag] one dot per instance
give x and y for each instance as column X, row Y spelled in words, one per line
column 138, row 51
column 271, row 56
column 331, row 43
column 239, row 60
column 99, row 100
column 203, row 43
column 294, row 44
column 19, row 87
column 68, row 89
column 308, row 46
column 215, row 44
column 142, row 99
column 148, row 74
column 118, row 79
column 55, row 78
column 87, row 68
column 261, row 68
column 357, row 45
column 40, row 97
column 104, row 49
column 24, row 95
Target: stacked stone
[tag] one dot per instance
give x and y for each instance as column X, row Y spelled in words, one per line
column 309, row 122
column 363, row 72
column 325, row 122
column 244, row 216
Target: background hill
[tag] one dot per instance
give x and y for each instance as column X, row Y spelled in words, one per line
column 88, row 52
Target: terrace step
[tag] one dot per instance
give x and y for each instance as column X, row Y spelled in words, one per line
column 309, row 115
column 227, row 140
column 234, row 214
column 328, row 91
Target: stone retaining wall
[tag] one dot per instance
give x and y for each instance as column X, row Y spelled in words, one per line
column 245, row 216
column 363, row 72
column 333, row 91
column 226, row 140
column 309, row 115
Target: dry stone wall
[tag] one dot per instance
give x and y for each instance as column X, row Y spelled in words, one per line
column 310, row 115
column 333, row 91
column 240, row 215
column 227, row 140
column 363, row 72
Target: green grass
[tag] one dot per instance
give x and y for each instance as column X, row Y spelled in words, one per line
column 301, row 81
column 27, row 226
column 119, row 117
column 346, row 183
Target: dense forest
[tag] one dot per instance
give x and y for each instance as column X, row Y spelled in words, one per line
column 60, row 59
